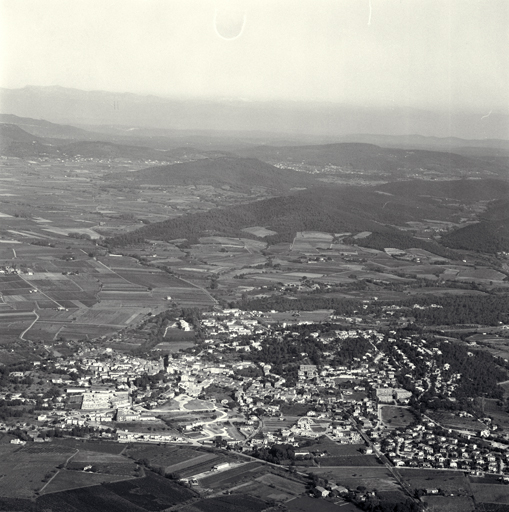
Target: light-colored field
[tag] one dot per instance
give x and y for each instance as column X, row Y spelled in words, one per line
column 449, row 503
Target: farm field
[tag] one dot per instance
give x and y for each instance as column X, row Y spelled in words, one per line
column 68, row 479
column 490, row 493
column 170, row 456
column 352, row 460
column 234, row 476
column 334, row 449
column 284, row 484
column 449, row 481
column 307, row 504
column 449, row 503
column 26, row 471
column 262, row 491
column 448, row 419
column 233, row 503
column 379, row 478
column 150, row 493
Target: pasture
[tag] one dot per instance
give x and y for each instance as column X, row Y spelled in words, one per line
column 454, row 482
column 490, row 493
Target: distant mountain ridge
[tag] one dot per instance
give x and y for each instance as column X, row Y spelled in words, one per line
column 16, row 142
column 73, row 106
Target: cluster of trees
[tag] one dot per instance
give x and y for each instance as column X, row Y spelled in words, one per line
column 303, row 303
column 287, row 352
column 480, row 371
column 461, row 309
column 277, row 453
column 486, row 237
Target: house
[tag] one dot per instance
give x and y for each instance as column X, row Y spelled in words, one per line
column 320, row 492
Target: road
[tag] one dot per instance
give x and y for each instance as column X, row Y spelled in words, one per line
column 385, row 460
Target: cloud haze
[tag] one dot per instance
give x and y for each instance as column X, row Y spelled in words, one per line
column 430, row 54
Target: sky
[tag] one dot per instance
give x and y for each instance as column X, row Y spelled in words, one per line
column 430, row 54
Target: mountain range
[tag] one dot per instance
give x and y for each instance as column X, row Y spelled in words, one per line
column 77, row 107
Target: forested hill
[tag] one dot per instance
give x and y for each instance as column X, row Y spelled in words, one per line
column 464, row 190
column 371, row 157
column 331, row 209
column 18, row 143
column 232, row 172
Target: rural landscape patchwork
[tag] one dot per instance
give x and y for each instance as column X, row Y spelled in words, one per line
column 254, row 256
column 252, row 328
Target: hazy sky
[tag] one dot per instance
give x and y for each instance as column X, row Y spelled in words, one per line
column 422, row 53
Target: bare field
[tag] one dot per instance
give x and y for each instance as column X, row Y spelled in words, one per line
column 67, row 479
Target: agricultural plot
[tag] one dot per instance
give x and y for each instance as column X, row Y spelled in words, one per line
column 334, row 449
column 490, row 493
column 205, row 457
column 168, row 455
column 68, row 479
column 379, row 478
column 284, row 484
column 449, row 503
column 152, row 492
column 236, row 261
column 201, row 467
column 307, row 504
column 172, row 347
column 153, row 279
column 231, row 477
column 448, row 419
column 24, row 472
column 234, row 503
column 453, row 482
column 481, row 273
column 259, row 231
column 262, row 491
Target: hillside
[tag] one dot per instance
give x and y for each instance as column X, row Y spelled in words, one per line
column 331, row 209
column 18, row 143
column 360, row 156
column 465, row 190
column 243, row 174
column 490, row 235
column 101, row 149
column 45, row 129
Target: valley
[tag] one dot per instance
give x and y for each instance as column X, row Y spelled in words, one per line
column 250, row 327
